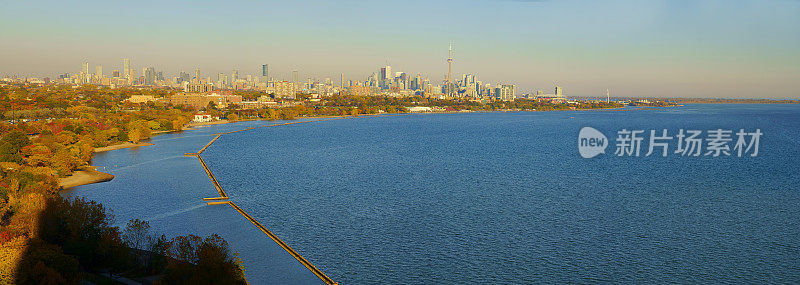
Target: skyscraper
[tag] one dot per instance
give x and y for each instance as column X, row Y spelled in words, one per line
column 184, row 76
column 131, row 76
column 559, row 91
column 385, row 77
column 469, row 79
column 265, row 72
column 235, row 75
column 99, row 72
column 506, row 92
column 402, row 80
column 126, row 67
column 150, row 76
column 197, row 75
column 83, row 75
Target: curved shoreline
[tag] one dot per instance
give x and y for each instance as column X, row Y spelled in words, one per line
column 89, row 174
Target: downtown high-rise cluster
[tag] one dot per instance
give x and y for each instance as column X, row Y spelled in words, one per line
column 384, row 81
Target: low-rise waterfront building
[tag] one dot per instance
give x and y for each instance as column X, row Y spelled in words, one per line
column 419, row 109
column 201, row 118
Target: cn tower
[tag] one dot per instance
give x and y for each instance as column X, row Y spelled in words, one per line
column 449, row 69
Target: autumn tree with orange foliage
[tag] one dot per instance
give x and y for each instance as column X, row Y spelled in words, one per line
column 47, row 133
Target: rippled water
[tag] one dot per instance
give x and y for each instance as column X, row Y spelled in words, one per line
column 506, row 198
column 160, row 185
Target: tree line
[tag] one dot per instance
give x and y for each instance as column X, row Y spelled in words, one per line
column 49, row 132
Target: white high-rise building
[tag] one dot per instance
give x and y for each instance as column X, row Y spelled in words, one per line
column 506, row 92
column 126, row 67
column 84, row 76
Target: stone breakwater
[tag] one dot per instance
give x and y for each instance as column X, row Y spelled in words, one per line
column 224, row 199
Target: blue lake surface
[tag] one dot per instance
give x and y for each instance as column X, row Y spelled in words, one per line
column 499, row 198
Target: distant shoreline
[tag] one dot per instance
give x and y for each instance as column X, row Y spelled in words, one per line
column 743, row 103
column 724, row 101
column 90, row 175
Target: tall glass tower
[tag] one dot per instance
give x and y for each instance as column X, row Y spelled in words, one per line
column 126, row 67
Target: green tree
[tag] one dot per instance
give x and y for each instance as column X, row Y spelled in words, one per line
column 122, row 135
column 136, row 233
column 137, row 236
column 138, row 130
column 78, row 226
column 9, row 153
column 271, row 114
column 202, row 261
column 11, row 146
column 158, row 250
column 17, row 139
column 211, row 106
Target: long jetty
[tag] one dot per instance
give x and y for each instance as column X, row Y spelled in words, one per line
column 285, row 246
column 224, row 199
column 213, row 179
column 208, row 144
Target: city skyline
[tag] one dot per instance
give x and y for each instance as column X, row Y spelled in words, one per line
column 652, row 48
column 382, row 82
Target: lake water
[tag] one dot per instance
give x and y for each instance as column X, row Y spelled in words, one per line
column 499, row 198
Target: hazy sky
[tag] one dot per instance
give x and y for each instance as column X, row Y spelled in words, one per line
column 687, row 48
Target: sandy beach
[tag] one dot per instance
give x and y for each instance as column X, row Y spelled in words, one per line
column 87, row 175
column 121, row 146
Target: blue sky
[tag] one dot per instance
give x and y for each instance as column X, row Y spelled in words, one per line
column 684, row 48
